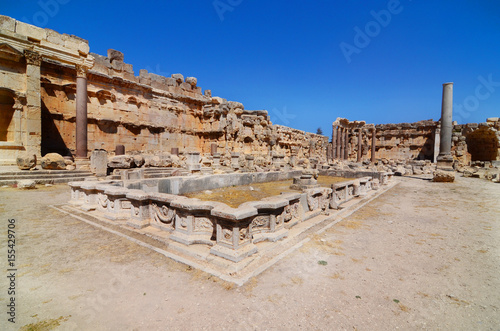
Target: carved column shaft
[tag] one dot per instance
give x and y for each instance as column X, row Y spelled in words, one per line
column 339, row 142
column 342, row 143
column 445, row 159
column 346, row 147
column 81, row 112
column 373, row 144
column 334, row 142
column 360, row 137
column 33, row 138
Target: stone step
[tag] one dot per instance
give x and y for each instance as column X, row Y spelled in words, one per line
column 42, row 172
column 37, row 175
column 45, row 180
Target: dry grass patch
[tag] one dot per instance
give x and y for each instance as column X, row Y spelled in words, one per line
column 337, row 275
column 45, row 325
column 250, row 285
column 197, row 274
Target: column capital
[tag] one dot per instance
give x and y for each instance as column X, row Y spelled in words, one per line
column 33, row 58
column 81, row 71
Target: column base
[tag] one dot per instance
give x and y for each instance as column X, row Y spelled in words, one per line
column 82, row 163
column 445, row 162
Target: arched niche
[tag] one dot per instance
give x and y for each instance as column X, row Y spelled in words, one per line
column 7, row 116
column 482, row 144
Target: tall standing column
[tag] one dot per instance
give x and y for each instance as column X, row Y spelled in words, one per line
column 346, row 147
column 374, row 137
column 81, row 112
column 342, row 143
column 334, row 142
column 33, row 128
column 445, row 160
column 360, row 137
column 339, row 143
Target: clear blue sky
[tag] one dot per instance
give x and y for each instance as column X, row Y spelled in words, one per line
column 306, row 62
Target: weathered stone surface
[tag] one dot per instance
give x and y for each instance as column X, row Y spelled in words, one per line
column 191, row 81
column 162, row 160
column 26, row 162
column 179, row 78
column 26, row 184
column 121, row 162
column 138, row 161
column 115, row 55
column 443, row 176
column 99, row 162
column 53, row 161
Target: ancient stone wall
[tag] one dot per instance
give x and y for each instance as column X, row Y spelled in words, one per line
column 24, row 50
column 476, row 142
column 420, row 140
column 406, row 141
column 403, row 141
column 146, row 113
column 149, row 113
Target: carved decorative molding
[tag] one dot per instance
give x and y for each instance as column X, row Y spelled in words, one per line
column 33, row 58
column 81, row 71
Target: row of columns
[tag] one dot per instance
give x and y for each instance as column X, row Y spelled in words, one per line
column 340, row 143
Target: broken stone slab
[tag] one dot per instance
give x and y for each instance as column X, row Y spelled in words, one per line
column 99, row 162
column 26, row 161
column 53, row 161
column 26, row 184
column 441, row 176
column 121, row 162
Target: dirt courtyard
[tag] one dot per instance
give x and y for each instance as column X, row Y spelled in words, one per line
column 421, row 256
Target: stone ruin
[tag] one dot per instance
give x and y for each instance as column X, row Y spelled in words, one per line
column 149, row 139
column 148, row 113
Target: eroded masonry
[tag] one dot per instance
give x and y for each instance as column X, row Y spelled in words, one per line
column 149, row 142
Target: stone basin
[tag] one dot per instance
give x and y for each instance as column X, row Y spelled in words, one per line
column 229, row 233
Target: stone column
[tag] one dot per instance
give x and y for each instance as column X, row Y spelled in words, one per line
column 33, row 136
column 339, row 142
column 342, row 143
column 360, row 138
column 81, row 112
column 437, row 142
column 374, row 140
column 346, row 148
column 445, row 159
column 334, row 142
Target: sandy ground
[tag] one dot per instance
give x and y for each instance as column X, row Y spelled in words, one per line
column 422, row 256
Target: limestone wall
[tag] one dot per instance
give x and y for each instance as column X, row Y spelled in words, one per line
column 406, row 141
column 476, row 142
column 150, row 113
column 24, row 50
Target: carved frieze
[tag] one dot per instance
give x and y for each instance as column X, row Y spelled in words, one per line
column 203, row 224
column 163, row 214
column 32, row 58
